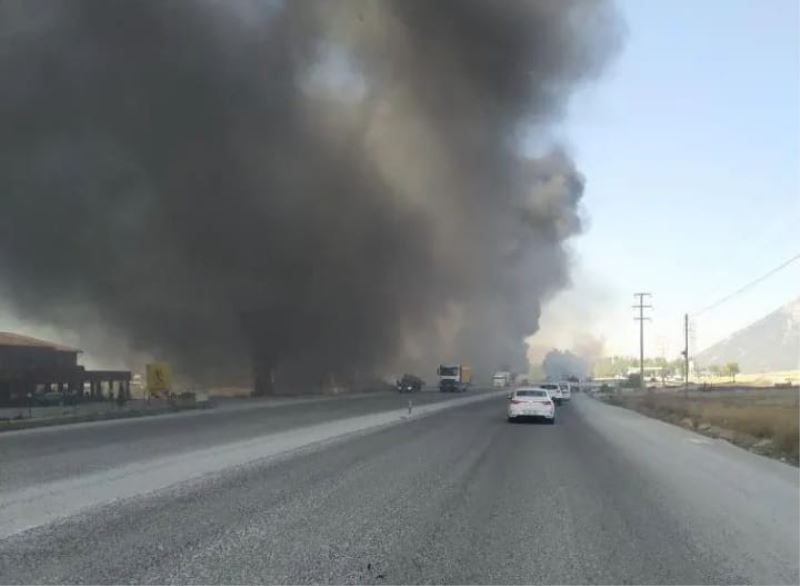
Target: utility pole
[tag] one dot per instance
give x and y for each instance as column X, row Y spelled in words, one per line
column 641, row 319
column 686, row 353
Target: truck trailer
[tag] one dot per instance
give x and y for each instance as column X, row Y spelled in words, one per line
column 502, row 378
column 454, row 377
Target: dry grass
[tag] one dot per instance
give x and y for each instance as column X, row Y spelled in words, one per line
column 757, row 379
column 750, row 415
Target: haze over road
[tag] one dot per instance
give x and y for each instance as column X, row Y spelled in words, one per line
column 460, row 496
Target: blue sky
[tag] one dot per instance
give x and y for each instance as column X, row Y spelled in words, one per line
column 690, row 146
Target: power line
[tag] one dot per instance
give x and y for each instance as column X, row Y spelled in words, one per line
column 747, row 286
column 754, row 249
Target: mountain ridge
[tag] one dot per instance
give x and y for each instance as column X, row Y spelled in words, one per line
column 768, row 344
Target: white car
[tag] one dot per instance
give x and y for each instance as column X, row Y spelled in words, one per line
column 531, row 402
column 566, row 391
column 555, row 391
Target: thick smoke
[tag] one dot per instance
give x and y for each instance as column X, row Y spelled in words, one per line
column 330, row 189
column 558, row 365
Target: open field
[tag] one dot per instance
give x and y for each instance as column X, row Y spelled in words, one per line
column 765, row 421
column 756, row 379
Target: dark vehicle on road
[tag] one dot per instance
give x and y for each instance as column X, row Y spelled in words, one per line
column 409, row 383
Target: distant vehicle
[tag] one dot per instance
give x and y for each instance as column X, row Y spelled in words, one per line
column 555, row 391
column 566, row 390
column 577, row 385
column 501, row 379
column 454, row 377
column 409, row 383
column 531, row 402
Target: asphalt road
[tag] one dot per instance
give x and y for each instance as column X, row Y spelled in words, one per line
column 34, row 456
column 459, row 496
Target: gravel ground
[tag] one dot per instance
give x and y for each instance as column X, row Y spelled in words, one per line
column 461, row 496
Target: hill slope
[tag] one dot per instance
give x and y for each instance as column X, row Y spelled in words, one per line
column 771, row 343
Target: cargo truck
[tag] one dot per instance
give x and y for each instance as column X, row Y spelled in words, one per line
column 502, row 378
column 454, row 377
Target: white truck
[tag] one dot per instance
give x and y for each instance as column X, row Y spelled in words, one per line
column 566, row 390
column 501, row 379
column 454, row 377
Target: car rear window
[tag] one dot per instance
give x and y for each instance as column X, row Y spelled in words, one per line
column 531, row 394
column 550, row 387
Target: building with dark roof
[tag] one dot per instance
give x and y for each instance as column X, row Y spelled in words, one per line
column 37, row 371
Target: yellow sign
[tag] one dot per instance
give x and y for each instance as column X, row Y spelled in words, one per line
column 159, row 378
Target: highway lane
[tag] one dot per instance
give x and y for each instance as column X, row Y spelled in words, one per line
column 461, row 496
column 34, row 456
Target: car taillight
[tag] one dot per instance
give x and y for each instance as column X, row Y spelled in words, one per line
column 545, row 402
column 516, row 402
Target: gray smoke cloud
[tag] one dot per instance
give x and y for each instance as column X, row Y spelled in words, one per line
column 558, row 365
column 318, row 188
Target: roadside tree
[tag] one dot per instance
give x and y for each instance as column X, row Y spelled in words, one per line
column 731, row 369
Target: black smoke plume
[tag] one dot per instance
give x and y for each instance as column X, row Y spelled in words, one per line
column 316, row 188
